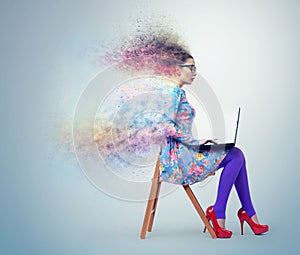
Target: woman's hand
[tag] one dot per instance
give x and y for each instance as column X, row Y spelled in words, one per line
column 205, row 141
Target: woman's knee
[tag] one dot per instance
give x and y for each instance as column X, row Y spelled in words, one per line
column 237, row 154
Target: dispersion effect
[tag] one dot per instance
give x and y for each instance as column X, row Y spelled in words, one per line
column 153, row 47
column 132, row 124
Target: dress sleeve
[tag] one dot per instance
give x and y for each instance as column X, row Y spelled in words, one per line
column 172, row 129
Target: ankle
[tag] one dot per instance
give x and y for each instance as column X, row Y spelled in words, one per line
column 254, row 218
column 221, row 222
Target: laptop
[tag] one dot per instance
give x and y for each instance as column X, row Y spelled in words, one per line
column 222, row 145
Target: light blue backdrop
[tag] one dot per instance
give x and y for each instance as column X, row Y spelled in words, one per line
column 247, row 50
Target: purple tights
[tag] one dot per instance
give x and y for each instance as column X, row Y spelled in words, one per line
column 234, row 172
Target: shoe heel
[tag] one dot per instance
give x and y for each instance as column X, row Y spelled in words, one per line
column 242, row 226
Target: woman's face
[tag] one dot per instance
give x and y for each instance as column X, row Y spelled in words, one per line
column 187, row 72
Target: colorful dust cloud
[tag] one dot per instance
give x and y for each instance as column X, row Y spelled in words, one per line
column 153, row 47
column 124, row 144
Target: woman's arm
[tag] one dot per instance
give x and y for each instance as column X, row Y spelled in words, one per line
column 172, row 128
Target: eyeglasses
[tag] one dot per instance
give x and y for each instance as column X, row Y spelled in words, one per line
column 190, row 66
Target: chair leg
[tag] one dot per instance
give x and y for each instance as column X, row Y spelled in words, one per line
column 199, row 210
column 150, row 206
column 154, row 207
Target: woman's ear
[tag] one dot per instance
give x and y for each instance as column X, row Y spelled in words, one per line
column 177, row 71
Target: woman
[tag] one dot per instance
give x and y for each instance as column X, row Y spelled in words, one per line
column 182, row 163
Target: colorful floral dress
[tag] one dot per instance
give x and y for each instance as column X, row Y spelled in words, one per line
column 181, row 162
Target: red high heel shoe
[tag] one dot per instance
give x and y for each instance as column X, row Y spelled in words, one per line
column 220, row 232
column 256, row 228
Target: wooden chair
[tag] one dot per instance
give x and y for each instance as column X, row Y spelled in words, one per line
column 153, row 200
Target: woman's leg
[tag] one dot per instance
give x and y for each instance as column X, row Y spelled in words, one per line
column 242, row 188
column 234, row 172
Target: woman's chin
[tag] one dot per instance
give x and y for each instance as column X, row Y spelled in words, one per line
column 188, row 82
